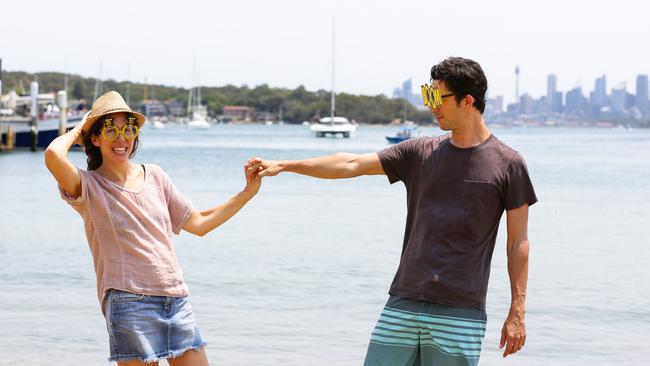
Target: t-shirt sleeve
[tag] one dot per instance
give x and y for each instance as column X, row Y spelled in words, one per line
column 180, row 208
column 73, row 201
column 518, row 188
column 397, row 160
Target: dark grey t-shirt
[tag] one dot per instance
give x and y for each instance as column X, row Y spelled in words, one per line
column 455, row 199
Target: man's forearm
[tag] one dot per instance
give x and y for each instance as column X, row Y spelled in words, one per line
column 518, row 272
column 341, row 165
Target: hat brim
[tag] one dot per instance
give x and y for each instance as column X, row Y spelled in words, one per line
column 90, row 120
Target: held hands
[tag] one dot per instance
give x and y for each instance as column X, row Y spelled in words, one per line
column 267, row 168
column 253, row 179
column 255, row 169
column 513, row 334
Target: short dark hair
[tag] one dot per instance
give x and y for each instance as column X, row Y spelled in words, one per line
column 462, row 77
column 93, row 153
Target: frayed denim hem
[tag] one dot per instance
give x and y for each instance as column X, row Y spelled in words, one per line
column 157, row 358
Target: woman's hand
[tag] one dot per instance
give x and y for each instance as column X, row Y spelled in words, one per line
column 253, row 180
column 78, row 129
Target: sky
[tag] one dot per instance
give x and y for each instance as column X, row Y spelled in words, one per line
column 287, row 43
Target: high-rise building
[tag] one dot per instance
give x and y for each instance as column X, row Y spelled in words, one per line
column 618, row 98
column 574, row 102
column 498, row 104
column 407, row 89
column 641, row 100
column 600, row 92
column 556, row 103
column 406, row 92
column 526, row 104
column 551, row 88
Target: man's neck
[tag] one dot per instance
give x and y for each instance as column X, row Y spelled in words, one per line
column 471, row 134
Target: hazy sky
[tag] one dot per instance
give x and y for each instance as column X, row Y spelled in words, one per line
column 288, row 43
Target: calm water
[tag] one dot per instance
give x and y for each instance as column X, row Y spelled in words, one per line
column 300, row 275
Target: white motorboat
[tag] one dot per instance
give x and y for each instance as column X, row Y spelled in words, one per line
column 333, row 127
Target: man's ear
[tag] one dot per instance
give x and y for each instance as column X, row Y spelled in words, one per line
column 469, row 100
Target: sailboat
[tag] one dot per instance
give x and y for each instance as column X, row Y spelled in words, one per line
column 154, row 122
column 197, row 113
column 333, row 126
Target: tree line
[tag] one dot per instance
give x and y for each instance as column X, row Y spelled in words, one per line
column 296, row 105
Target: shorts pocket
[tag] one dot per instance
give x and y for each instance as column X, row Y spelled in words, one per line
column 122, row 296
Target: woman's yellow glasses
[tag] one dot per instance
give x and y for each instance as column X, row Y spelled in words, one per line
column 432, row 96
column 110, row 132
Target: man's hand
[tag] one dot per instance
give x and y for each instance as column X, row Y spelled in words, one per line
column 513, row 334
column 267, row 168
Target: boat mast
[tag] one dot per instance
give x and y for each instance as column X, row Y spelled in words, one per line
column 333, row 101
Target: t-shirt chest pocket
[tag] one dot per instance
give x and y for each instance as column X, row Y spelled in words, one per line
column 478, row 195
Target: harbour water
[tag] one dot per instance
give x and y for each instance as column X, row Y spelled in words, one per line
column 300, row 275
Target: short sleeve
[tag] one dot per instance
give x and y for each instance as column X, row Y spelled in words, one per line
column 180, row 208
column 518, row 188
column 76, row 201
column 398, row 159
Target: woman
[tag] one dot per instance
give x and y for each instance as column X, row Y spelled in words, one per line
column 130, row 214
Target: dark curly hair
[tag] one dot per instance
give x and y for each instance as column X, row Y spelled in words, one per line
column 93, row 153
column 462, row 77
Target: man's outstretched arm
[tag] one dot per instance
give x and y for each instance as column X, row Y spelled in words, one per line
column 513, row 334
column 341, row 165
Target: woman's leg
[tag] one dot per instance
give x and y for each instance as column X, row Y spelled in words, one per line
column 190, row 358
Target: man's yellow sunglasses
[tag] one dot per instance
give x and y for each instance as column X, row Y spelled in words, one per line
column 432, row 96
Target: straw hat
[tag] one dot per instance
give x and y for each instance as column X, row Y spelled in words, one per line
column 111, row 102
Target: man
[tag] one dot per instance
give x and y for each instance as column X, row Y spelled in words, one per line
column 458, row 186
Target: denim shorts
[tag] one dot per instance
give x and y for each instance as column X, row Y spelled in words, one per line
column 149, row 328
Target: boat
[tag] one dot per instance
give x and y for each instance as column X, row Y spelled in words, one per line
column 196, row 112
column 48, row 129
column 198, row 118
column 333, row 126
column 155, row 123
column 46, row 118
column 407, row 131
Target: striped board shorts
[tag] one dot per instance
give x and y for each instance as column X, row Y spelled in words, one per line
column 418, row 333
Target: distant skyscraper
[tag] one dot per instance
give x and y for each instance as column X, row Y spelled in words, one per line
column 618, row 98
column 407, row 89
column 517, row 84
column 526, row 104
column 498, row 104
column 551, row 89
column 642, row 94
column 574, row 99
column 406, row 92
column 556, row 103
column 600, row 92
column 551, row 86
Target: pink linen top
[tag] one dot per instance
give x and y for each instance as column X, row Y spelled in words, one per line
column 130, row 232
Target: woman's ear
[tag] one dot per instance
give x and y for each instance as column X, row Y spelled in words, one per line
column 95, row 140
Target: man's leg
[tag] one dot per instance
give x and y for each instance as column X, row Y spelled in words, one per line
column 395, row 341
column 451, row 336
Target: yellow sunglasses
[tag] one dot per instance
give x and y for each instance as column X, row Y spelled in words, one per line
column 110, row 132
column 432, row 96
